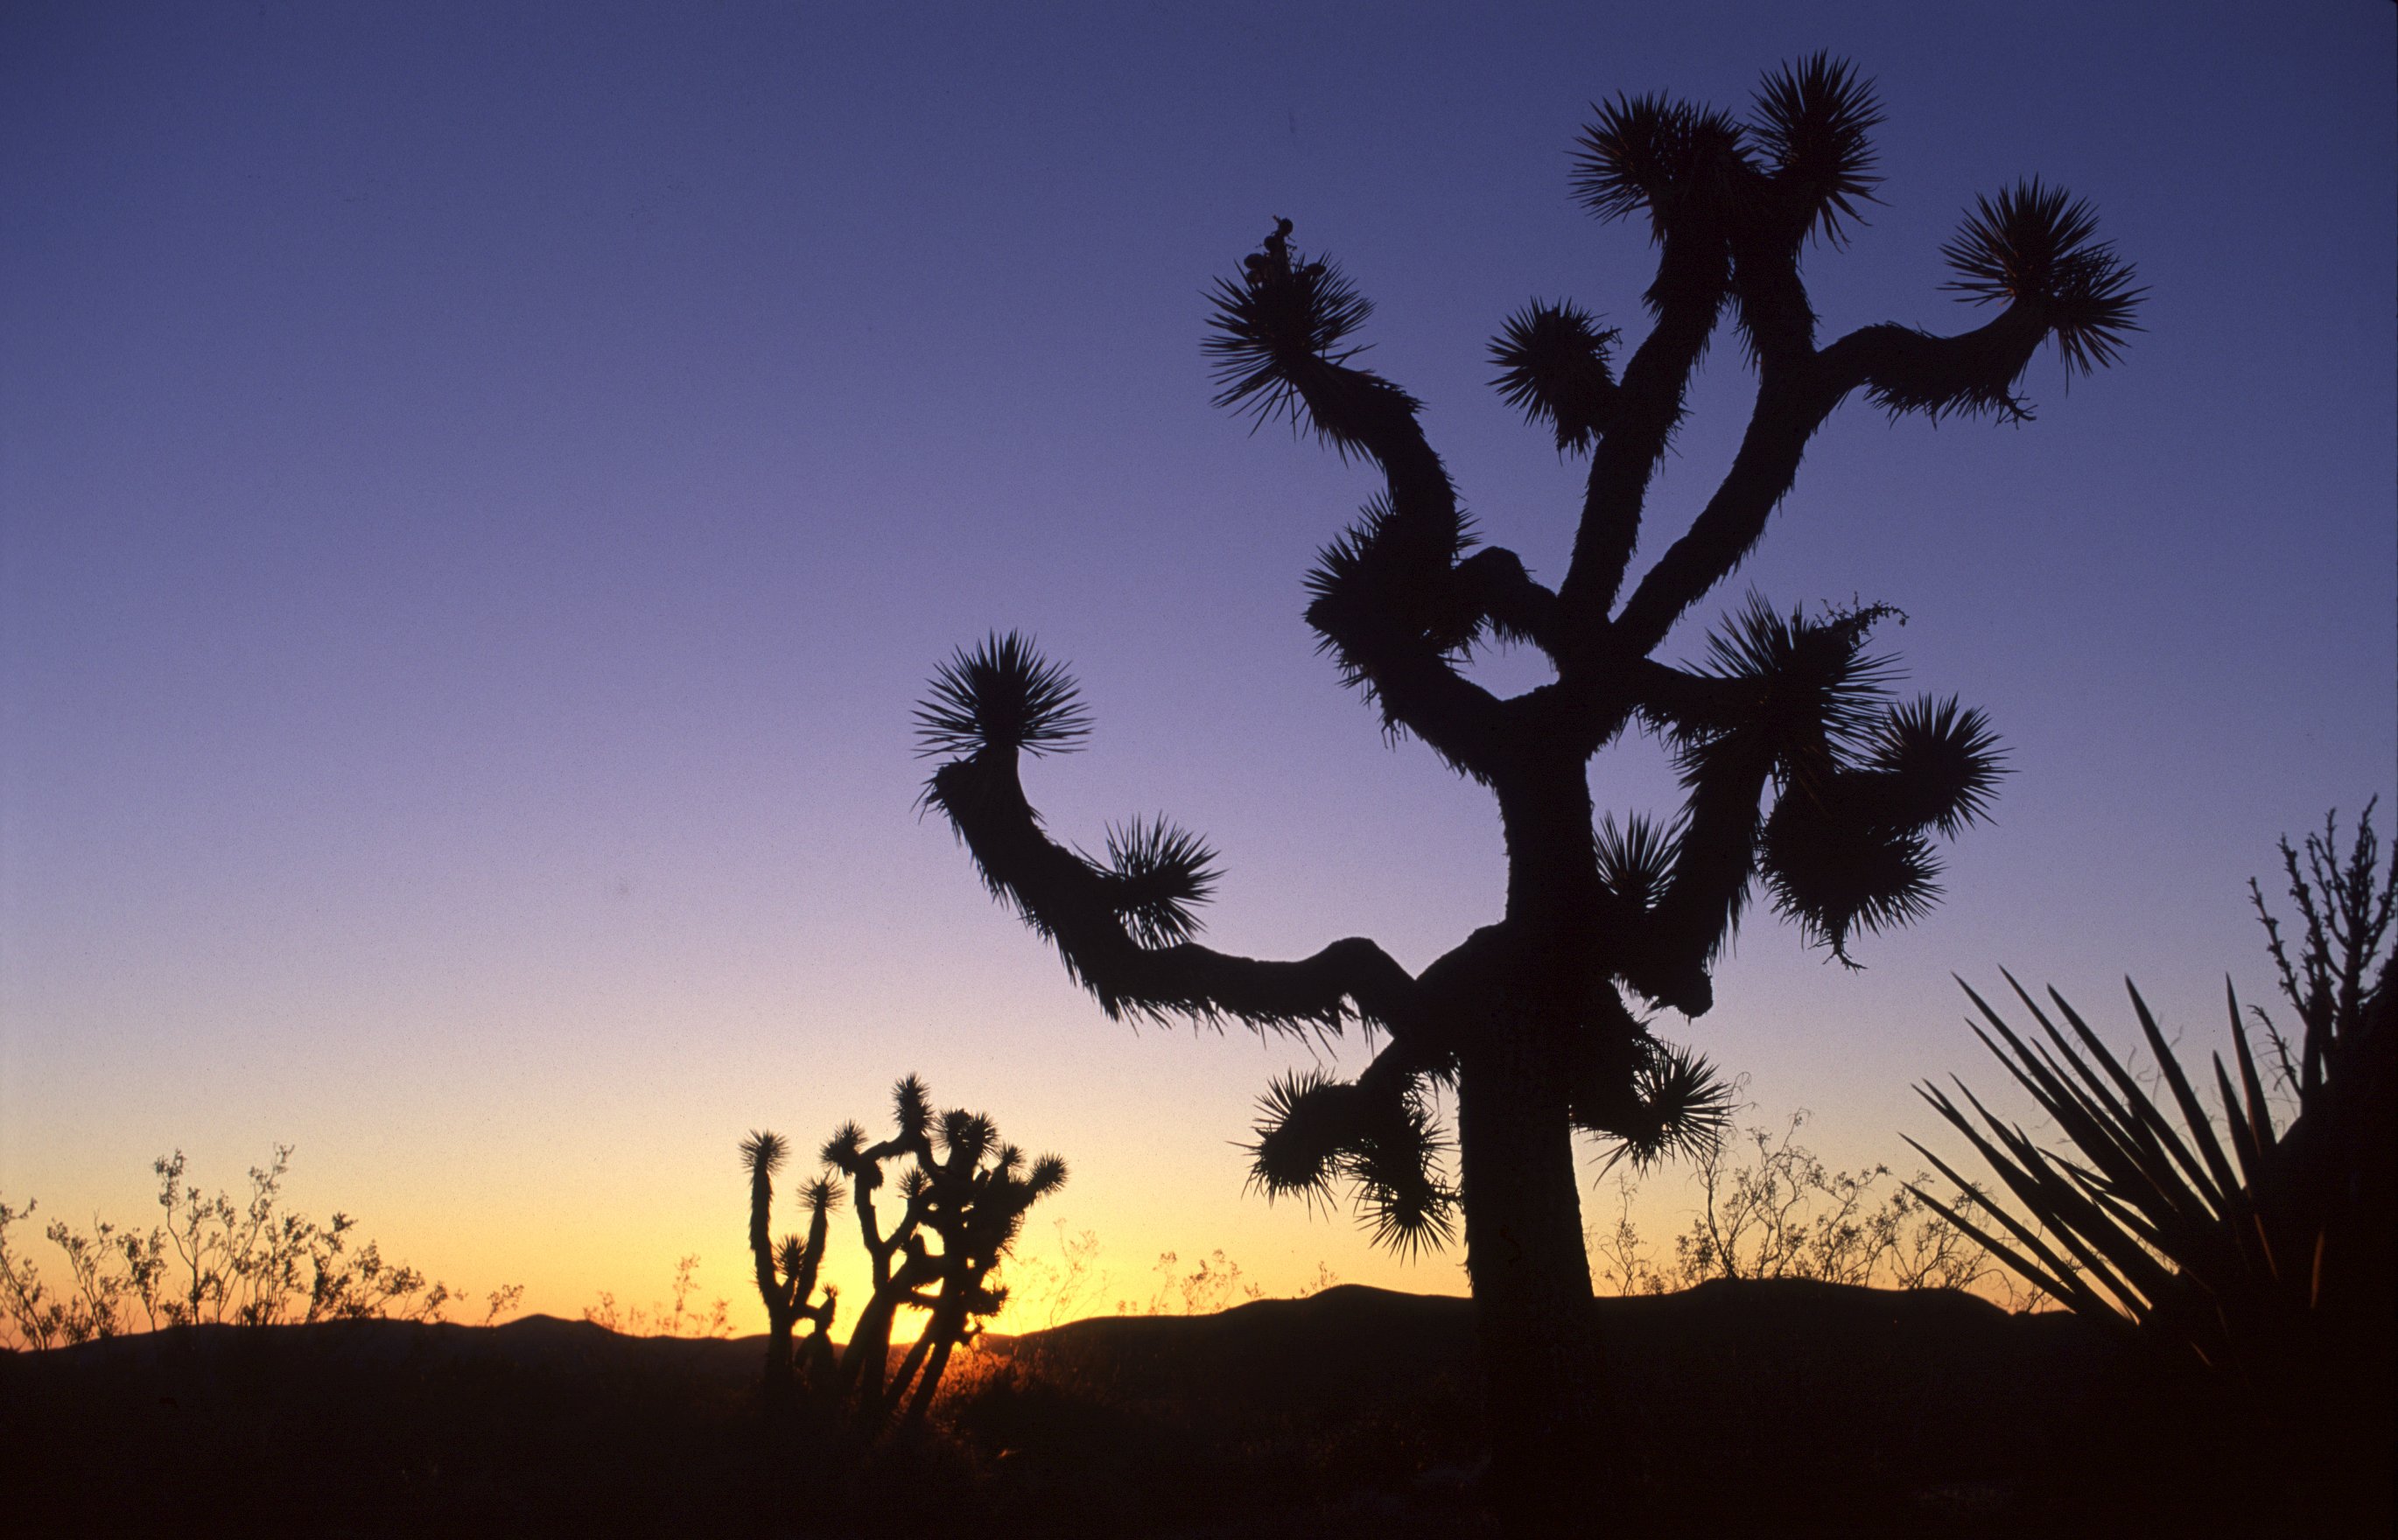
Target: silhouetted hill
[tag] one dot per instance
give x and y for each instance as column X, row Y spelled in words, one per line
column 1815, row 1408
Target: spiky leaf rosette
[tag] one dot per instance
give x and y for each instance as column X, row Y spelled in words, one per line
column 912, row 1106
column 1802, row 688
column 1835, row 868
column 1553, row 367
column 1396, row 1164
column 1047, row 1176
column 966, row 1136
column 1636, row 860
column 1305, row 1121
column 1003, row 695
column 843, row 1150
column 1678, row 162
column 1388, row 590
column 1938, row 763
column 1157, row 876
column 1284, row 313
column 821, row 1196
column 763, row 1154
column 1812, row 123
column 2036, row 243
column 1313, row 1130
column 1678, row 1108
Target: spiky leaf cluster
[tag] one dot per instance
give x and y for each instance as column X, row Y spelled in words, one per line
column 1003, row 695
column 1157, row 876
column 764, row 1153
column 1553, row 367
column 1636, row 860
column 1313, row 1131
column 1388, row 588
column 1679, row 163
column 1679, row 1107
column 1858, row 781
column 2036, row 243
column 1284, row 313
column 1812, row 123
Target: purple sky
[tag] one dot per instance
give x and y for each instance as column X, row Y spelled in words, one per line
column 481, row 489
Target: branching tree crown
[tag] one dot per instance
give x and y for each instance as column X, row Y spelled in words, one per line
column 1801, row 775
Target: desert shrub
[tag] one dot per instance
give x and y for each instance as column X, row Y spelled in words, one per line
column 1075, row 1283
column 2248, row 1258
column 1769, row 1207
column 675, row 1318
column 214, row 1261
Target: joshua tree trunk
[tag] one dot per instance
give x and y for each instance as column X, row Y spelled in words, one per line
column 1800, row 774
column 1531, row 1283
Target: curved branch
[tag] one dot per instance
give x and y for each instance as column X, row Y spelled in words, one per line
column 1061, row 895
column 1516, row 607
column 1905, row 370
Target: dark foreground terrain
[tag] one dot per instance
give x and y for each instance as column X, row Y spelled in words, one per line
column 1788, row 1408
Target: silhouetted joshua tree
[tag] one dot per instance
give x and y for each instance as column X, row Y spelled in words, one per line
column 1799, row 771
column 787, row 1277
column 970, row 1191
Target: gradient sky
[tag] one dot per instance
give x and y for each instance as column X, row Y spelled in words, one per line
column 481, row 489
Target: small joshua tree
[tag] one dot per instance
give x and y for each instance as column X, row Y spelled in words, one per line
column 787, row 1277
column 970, row 1191
column 1799, row 773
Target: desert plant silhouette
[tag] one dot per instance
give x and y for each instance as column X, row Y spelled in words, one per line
column 2268, row 1264
column 1799, row 769
column 787, row 1275
column 962, row 1186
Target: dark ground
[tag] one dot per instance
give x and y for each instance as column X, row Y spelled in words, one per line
column 1786, row 1408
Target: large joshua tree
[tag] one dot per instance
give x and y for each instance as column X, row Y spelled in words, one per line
column 1802, row 775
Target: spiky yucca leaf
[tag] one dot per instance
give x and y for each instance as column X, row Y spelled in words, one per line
column 1285, row 311
column 1305, row 1121
column 1553, row 367
column 2201, row 1247
column 1680, row 1107
column 1812, row 680
column 1396, row 1165
column 912, row 1106
column 763, row 1154
column 1047, row 1176
column 1158, row 876
column 843, row 1149
column 964, row 1136
column 1668, row 157
column 1943, row 761
column 2036, row 244
column 821, row 1196
column 1004, row 696
column 1636, row 859
column 1813, row 122
column 1834, row 871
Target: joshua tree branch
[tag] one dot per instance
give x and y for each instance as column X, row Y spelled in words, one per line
column 1727, row 528
column 1504, row 594
column 1061, row 895
column 1906, row 369
column 1648, row 407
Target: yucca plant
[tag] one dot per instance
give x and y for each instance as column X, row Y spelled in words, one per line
column 787, row 1275
column 1800, row 773
column 959, row 1184
column 2207, row 1231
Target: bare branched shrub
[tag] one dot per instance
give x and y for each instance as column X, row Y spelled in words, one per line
column 1769, row 1207
column 214, row 1261
column 674, row 1318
